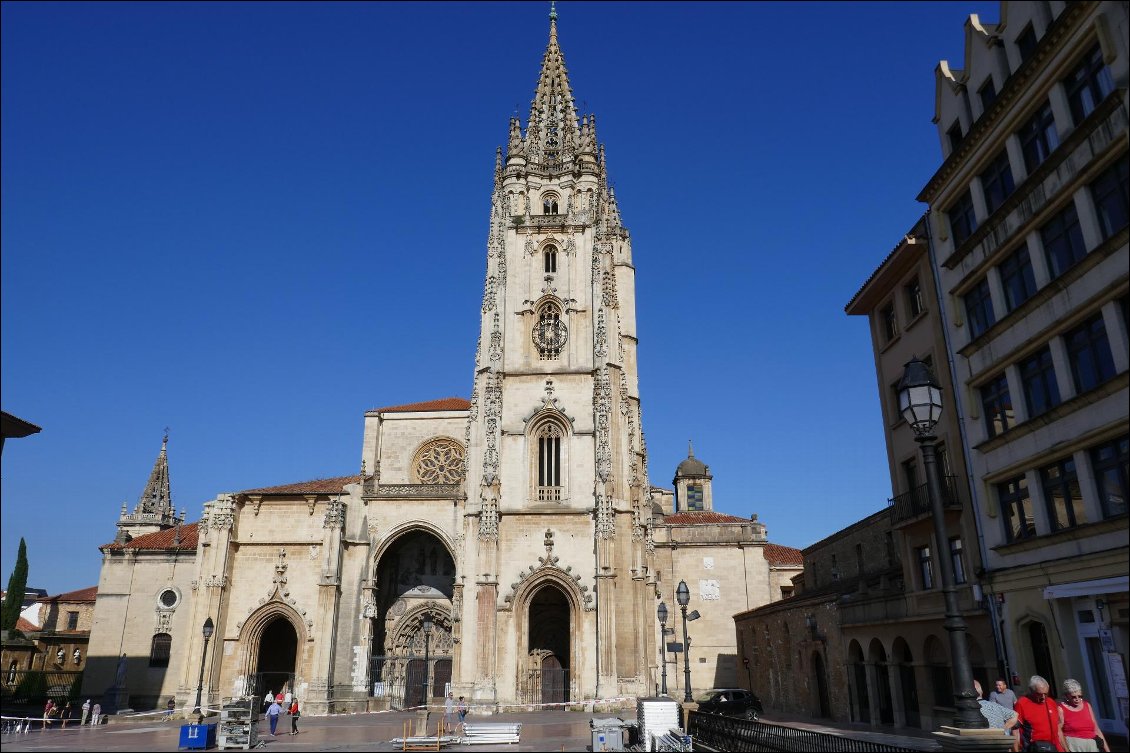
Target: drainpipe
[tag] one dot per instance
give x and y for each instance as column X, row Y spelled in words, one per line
column 959, row 394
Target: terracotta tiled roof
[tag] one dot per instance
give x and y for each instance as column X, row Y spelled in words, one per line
column 701, row 517
column 26, row 627
column 83, row 594
column 161, row 540
column 316, row 486
column 783, row 556
column 444, row 403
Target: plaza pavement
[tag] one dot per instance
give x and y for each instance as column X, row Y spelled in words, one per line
column 541, row 731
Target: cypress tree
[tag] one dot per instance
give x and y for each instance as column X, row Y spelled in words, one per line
column 17, row 586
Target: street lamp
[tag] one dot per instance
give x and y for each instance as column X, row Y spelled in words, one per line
column 427, row 647
column 209, row 628
column 683, row 596
column 920, row 402
column 662, row 612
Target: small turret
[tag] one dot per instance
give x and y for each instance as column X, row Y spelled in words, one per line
column 154, row 510
column 693, row 484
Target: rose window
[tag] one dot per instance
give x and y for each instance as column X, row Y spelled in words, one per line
column 439, row 462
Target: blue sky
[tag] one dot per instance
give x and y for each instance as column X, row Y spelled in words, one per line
column 252, row 222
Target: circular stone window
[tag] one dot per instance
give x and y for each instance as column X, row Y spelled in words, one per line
column 168, row 598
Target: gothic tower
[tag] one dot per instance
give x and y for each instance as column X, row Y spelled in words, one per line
column 556, row 527
column 154, row 510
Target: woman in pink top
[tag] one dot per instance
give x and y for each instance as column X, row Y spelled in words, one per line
column 1080, row 727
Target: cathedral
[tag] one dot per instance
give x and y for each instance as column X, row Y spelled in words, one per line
column 508, row 548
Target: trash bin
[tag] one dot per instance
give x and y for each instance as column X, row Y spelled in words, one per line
column 197, row 736
column 607, row 734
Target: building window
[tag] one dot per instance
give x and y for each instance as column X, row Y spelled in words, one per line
column 1026, row 43
column 1062, row 494
column 1088, row 351
column 914, row 303
column 1112, row 198
column 889, row 541
column 957, row 561
column 954, row 135
column 1063, row 241
column 72, row 620
column 1038, row 138
column 997, row 182
column 859, row 566
column 549, row 438
column 1017, row 279
column 1088, row 85
column 161, row 649
column 910, row 472
column 889, row 322
column 1016, row 507
column 997, row 406
column 988, row 94
column 925, row 567
column 549, row 204
column 1111, row 463
column 551, row 260
column 1037, row 374
column 963, row 221
column 979, row 309
column 694, row 497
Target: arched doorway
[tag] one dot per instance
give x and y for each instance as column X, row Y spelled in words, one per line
column 901, row 655
column 939, row 667
column 821, row 685
column 548, row 648
column 877, row 658
column 278, row 654
column 861, row 708
column 1042, row 654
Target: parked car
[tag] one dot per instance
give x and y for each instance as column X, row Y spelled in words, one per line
column 731, row 702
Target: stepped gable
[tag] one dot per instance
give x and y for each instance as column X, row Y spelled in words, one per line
column 333, row 485
column 783, row 556
column 160, row 540
column 444, row 403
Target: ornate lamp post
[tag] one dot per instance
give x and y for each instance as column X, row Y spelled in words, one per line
column 427, row 647
column 662, row 613
column 208, row 629
column 920, row 402
column 683, row 596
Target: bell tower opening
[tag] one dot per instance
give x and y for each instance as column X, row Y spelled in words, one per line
column 278, row 654
column 547, row 675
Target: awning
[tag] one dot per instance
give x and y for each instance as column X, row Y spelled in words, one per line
column 1088, row 588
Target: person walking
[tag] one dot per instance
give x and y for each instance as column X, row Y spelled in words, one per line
column 1003, row 695
column 294, row 714
column 65, row 716
column 1081, row 731
column 85, row 713
column 267, row 700
column 1039, row 724
column 997, row 715
column 273, row 712
column 170, row 707
column 462, row 712
column 48, row 712
column 450, row 721
column 96, row 713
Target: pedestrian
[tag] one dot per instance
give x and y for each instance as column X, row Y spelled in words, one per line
column 85, row 712
column 450, row 720
column 48, row 712
column 273, row 712
column 1003, row 695
column 1080, row 727
column 65, row 716
column 294, row 714
column 1039, row 724
column 998, row 716
column 462, row 710
column 287, row 698
column 170, row 707
column 267, row 700
column 97, row 714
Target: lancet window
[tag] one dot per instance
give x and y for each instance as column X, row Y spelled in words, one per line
column 549, row 204
column 551, row 260
column 549, row 461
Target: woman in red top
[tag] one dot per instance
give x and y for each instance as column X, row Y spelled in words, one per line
column 1080, row 727
column 1039, row 719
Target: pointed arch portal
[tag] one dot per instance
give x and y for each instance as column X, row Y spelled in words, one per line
column 278, row 654
column 548, row 648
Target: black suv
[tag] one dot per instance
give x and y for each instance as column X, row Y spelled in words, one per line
column 731, row 702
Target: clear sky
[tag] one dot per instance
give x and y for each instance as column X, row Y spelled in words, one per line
column 252, row 222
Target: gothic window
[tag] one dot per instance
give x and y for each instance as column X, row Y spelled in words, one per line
column 551, row 260
column 548, row 461
column 439, row 461
column 550, row 333
column 549, row 203
column 161, row 649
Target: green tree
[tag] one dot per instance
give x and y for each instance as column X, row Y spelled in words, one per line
column 17, row 586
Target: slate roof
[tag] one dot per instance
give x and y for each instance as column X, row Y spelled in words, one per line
column 444, row 403
column 159, row 540
column 315, row 486
column 83, row 594
column 783, row 556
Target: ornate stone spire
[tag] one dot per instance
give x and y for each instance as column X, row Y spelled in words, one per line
column 156, row 498
column 552, row 133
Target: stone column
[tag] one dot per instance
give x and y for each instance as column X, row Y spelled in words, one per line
column 872, row 693
column 897, row 706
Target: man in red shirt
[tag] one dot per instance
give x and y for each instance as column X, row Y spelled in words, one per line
column 1038, row 720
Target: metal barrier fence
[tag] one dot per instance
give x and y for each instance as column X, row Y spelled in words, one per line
column 36, row 686
column 402, row 680
column 728, row 733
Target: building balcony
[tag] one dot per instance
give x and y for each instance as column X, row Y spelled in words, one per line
column 915, row 504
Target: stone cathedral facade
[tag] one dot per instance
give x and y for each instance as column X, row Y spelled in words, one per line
column 519, row 525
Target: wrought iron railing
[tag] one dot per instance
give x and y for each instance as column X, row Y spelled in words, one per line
column 544, row 686
column 402, row 680
column 731, row 733
column 36, row 686
column 917, row 501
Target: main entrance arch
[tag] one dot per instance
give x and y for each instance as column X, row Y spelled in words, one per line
column 549, row 619
column 277, row 659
